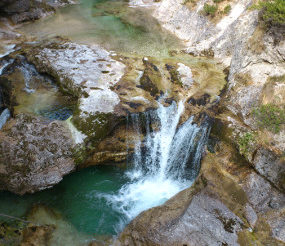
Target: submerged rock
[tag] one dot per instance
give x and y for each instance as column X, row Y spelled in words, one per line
column 37, row 235
column 49, row 227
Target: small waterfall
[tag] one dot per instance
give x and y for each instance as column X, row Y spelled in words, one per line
column 4, row 116
column 4, row 64
column 164, row 163
column 29, row 71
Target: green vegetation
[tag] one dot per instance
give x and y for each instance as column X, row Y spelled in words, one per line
column 218, row 1
column 245, row 142
column 189, row 1
column 227, row 9
column 210, row 9
column 273, row 12
column 270, row 116
column 277, row 78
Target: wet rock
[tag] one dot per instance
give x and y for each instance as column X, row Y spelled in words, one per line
column 114, row 148
column 35, row 154
column 53, row 229
column 151, row 78
column 87, row 73
column 37, row 235
column 26, row 10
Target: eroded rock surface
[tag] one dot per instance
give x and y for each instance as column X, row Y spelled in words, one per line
column 35, row 154
column 254, row 56
column 27, row 10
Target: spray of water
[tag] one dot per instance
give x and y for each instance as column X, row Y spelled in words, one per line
column 164, row 163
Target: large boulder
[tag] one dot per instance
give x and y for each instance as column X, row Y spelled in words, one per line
column 87, row 73
column 37, row 146
column 27, row 10
column 35, row 154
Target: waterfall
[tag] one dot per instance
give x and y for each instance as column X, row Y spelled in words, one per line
column 29, row 71
column 4, row 116
column 165, row 162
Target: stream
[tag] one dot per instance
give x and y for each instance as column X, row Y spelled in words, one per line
column 99, row 201
column 110, row 23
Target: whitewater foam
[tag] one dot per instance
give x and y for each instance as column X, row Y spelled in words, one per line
column 164, row 163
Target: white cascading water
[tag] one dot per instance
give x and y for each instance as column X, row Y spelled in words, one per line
column 164, row 163
column 5, row 114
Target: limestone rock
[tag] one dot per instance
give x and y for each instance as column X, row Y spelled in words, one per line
column 271, row 167
column 35, row 154
column 26, row 10
column 85, row 72
column 37, row 235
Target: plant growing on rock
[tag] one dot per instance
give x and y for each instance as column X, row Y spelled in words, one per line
column 218, row 1
column 270, row 116
column 210, row 9
column 245, row 142
column 227, row 9
column 272, row 12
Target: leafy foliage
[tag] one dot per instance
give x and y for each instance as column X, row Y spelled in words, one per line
column 273, row 12
column 210, row 9
column 245, row 142
column 270, row 116
column 227, row 9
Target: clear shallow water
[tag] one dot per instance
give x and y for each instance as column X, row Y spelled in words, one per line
column 35, row 93
column 78, row 198
column 109, row 23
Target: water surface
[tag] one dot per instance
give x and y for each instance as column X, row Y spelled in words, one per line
column 78, row 198
column 109, row 23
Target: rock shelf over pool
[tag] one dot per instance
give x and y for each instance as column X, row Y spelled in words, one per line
column 86, row 72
